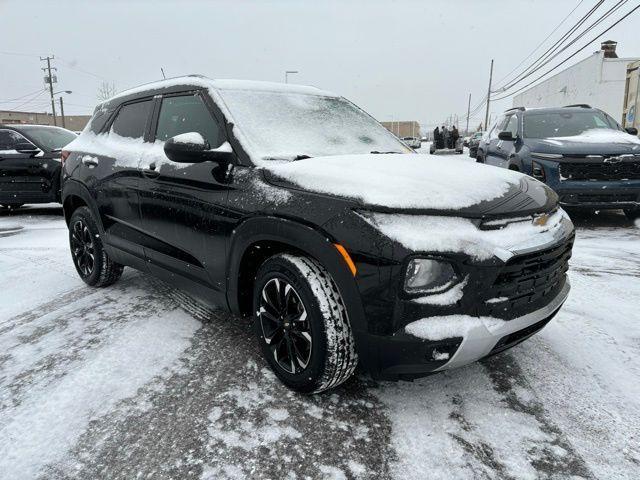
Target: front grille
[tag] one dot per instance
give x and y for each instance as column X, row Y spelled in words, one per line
column 600, row 171
column 529, row 280
column 599, row 198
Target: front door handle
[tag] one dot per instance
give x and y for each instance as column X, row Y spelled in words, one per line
column 151, row 172
column 90, row 161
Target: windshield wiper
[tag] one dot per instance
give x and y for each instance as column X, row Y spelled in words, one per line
column 301, row 157
column 376, row 152
column 56, row 150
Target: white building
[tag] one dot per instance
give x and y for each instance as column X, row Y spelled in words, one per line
column 598, row 80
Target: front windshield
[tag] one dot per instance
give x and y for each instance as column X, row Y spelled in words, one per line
column 292, row 125
column 563, row 124
column 51, row 138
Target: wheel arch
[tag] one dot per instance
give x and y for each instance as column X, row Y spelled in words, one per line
column 75, row 195
column 259, row 238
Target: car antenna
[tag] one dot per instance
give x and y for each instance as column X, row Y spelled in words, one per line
column 163, row 75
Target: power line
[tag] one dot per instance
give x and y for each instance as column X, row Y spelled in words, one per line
column 570, row 57
column 31, row 100
column 11, row 100
column 543, row 41
column 527, row 71
column 575, row 40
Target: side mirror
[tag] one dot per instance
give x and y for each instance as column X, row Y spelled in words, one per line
column 28, row 148
column 506, row 136
column 191, row 147
column 632, row 130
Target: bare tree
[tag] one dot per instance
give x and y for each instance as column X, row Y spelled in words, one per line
column 106, row 91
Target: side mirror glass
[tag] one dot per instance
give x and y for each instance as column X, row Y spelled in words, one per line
column 506, row 136
column 26, row 147
column 191, row 147
column 632, row 130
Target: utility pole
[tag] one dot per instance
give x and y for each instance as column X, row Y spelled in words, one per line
column 50, row 80
column 486, row 115
column 62, row 112
column 466, row 130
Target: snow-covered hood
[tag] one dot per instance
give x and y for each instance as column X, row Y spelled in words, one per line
column 399, row 182
column 592, row 142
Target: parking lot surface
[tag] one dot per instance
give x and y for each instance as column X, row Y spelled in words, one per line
column 139, row 381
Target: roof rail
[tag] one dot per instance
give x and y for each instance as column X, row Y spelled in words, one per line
column 580, row 105
column 515, row 108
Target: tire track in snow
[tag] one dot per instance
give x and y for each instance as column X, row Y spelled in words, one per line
column 554, row 455
column 224, row 413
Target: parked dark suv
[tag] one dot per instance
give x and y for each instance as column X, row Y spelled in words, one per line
column 580, row 152
column 30, row 163
column 292, row 205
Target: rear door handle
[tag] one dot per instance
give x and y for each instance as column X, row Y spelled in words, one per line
column 151, row 172
column 90, row 161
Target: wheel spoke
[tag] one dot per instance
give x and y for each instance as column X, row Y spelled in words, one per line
column 285, row 325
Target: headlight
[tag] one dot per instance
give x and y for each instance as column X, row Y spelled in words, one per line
column 425, row 275
column 546, row 156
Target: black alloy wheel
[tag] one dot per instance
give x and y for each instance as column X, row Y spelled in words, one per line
column 286, row 328
column 82, row 248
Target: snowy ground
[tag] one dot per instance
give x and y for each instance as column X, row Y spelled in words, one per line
column 136, row 381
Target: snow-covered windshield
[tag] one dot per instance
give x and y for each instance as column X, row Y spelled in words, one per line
column 51, row 138
column 284, row 125
column 563, row 124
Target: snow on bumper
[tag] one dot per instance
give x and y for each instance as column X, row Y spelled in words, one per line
column 480, row 334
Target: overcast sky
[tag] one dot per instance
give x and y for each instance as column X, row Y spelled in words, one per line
column 396, row 59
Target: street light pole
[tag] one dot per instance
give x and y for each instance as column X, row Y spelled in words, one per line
column 286, row 75
column 466, row 130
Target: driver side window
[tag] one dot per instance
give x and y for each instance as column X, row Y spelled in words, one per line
column 188, row 113
column 512, row 125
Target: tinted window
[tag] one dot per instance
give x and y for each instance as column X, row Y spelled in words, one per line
column 9, row 139
column 131, row 119
column 562, row 124
column 187, row 114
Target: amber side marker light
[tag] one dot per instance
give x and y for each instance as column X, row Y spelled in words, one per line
column 347, row 258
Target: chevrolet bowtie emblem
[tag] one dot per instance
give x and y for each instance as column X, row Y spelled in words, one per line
column 541, row 220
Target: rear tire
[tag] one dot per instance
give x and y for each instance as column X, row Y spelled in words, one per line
column 92, row 262
column 302, row 324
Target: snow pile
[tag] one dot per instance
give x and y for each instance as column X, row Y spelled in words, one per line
column 126, row 152
column 600, row 135
column 189, row 137
column 454, row 234
column 400, row 181
column 450, row 326
column 449, row 297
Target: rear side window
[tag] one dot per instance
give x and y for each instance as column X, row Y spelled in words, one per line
column 187, row 113
column 132, row 119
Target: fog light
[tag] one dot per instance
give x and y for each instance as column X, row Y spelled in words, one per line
column 425, row 275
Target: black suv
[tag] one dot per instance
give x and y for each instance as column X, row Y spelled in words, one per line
column 580, row 152
column 292, row 205
column 30, row 163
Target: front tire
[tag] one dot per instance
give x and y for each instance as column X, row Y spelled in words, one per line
column 302, row 324
column 92, row 262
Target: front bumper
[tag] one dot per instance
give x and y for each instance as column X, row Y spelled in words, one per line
column 485, row 340
column 591, row 194
column 406, row 357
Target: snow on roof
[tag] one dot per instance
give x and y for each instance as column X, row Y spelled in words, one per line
column 225, row 84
